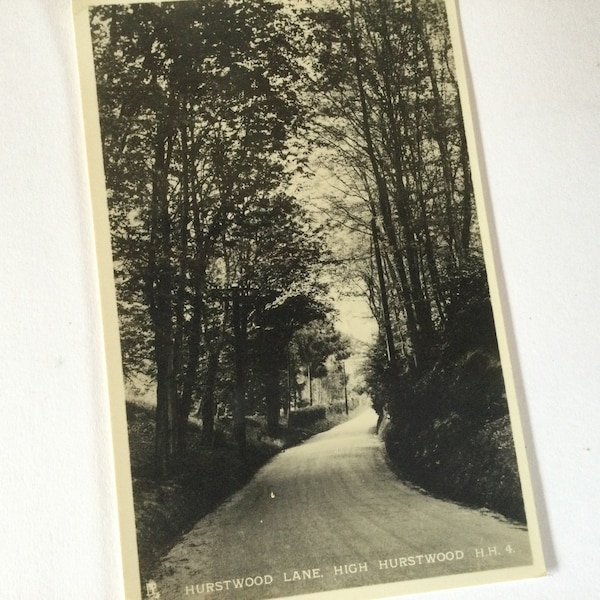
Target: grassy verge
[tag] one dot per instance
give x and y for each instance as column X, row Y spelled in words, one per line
column 165, row 510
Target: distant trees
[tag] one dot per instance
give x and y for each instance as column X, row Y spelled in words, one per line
column 312, row 347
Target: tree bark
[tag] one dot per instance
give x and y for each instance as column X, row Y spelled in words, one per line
column 184, row 373
column 272, row 400
column 439, row 132
column 239, row 393
column 382, row 189
column 389, row 338
column 159, row 289
column 207, row 407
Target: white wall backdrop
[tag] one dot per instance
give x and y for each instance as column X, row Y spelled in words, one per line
column 535, row 69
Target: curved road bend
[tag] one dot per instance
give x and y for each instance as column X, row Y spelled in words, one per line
column 330, row 514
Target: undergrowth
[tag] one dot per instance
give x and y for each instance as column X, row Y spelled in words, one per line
column 166, row 509
column 460, row 446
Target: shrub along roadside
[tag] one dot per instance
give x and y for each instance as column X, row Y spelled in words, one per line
column 462, row 447
column 474, row 468
column 309, row 415
column 167, row 509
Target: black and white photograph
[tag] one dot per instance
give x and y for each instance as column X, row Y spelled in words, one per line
column 311, row 385
column 242, row 124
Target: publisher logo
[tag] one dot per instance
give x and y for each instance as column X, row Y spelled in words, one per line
column 152, row 592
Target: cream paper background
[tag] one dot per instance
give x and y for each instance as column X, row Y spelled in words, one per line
column 535, row 70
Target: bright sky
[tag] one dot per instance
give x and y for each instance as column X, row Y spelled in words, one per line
column 355, row 319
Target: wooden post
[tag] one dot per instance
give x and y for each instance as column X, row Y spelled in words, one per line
column 289, row 386
column 310, row 388
column 345, row 385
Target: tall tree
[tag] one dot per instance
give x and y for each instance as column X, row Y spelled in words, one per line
column 393, row 113
column 200, row 111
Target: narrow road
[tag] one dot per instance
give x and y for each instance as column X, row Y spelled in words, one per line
column 330, row 514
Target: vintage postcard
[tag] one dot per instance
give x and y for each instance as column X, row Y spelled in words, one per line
column 310, row 382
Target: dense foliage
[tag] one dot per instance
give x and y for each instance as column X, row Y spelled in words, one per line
column 394, row 138
column 240, row 138
column 214, row 260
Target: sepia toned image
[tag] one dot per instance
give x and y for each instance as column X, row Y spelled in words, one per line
column 310, row 382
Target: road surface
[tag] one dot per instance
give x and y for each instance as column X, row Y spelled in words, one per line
column 330, row 514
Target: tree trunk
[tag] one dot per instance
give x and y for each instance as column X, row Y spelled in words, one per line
column 423, row 337
column 239, row 393
column 273, row 401
column 423, row 332
column 439, row 132
column 159, row 289
column 184, row 373
column 207, row 408
column 382, row 190
column 467, row 197
column 389, row 338
column 166, row 423
column 310, row 384
column 190, row 374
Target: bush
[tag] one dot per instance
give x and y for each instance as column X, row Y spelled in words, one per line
column 337, row 408
column 309, row 415
column 466, row 459
column 450, row 433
